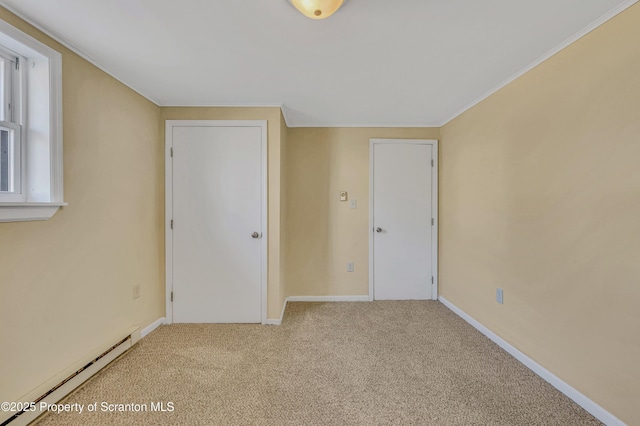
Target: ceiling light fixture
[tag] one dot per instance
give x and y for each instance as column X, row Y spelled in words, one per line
column 317, row 9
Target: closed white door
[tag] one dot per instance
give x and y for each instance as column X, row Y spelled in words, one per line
column 217, row 224
column 402, row 220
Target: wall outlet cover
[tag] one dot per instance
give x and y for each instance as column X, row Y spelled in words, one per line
column 499, row 296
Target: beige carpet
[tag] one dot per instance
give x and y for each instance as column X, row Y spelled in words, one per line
column 404, row 363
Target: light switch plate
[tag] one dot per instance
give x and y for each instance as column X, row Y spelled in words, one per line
column 343, row 195
column 353, row 204
column 499, row 296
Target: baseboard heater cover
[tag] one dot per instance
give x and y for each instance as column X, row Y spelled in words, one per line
column 74, row 380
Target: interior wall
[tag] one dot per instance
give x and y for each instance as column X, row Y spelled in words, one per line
column 540, row 196
column 66, row 284
column 323, row 233
column 272, row 115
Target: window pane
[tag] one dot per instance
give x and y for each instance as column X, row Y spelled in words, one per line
column 3, row 89
column 4, row 161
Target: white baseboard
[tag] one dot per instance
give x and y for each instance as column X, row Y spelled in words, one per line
column 278, row 321
column 596, row 411
column 328, row 298
column 148, row 329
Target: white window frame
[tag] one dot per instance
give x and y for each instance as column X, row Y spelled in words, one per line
column 37, row 111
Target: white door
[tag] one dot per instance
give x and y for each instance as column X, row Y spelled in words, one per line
column 217, row 224
column 402, row 212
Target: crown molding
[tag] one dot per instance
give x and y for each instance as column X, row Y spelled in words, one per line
column 368, row 126
column 66, row 43
column 583, row 32
column 586, row 30
column 208, row 105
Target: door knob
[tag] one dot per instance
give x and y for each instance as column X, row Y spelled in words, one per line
column 255, row 235
column 378, row 230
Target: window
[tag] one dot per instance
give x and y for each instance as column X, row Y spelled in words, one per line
column 10, row 161
column 11, row 155
column 30, row 127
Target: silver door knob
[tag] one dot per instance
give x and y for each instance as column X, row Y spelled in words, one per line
column 378, row 230
column 255, row 235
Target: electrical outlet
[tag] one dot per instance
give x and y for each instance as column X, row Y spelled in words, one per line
column 350, row 267
column 136, row 291
column 499, row 296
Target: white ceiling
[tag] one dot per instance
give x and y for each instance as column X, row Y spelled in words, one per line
column 373, row 63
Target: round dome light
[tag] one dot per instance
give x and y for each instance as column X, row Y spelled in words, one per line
column 317, row 9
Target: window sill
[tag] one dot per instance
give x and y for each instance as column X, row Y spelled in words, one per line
column 25, row 212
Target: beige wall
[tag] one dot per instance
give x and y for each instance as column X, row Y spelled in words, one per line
column 66, row 284
column 540, row 195
column 275, row 298
column 324, row 234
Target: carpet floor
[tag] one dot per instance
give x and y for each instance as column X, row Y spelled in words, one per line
column 380, row 363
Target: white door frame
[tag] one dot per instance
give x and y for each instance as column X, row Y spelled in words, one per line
column 434, row 207
column 168, row 168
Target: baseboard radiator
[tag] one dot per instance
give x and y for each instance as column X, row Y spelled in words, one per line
column 69, row 384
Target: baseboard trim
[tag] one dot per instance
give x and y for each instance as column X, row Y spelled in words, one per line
column 148, row 329
column 364, row 298
column 63, row 389
column 278, row 321
column 596, row 410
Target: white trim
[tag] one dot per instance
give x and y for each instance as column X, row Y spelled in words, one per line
column 434, row 207
column 169, row 125
column 278, row 321
column 586, row 30
column 56, row 122
column 66, row 43
column 40, row 107
column 368, row 125
column 434, row 213
column 168, row 209
column 596, row 410
column 214, row 105
column 283, row 111
column 151, row 327
column 363, row 298
column 26, row 212
column 58, row 38
column 265, row 216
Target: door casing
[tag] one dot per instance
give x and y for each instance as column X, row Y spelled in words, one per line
column 434, row 204
column 169, row 125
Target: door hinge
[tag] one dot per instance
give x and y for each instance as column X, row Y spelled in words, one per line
column 431, row 279
column 17, row 63
column 431, row 162
column 172, row 296
column 171, row 152
column 432, row 222
column 171, row 223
